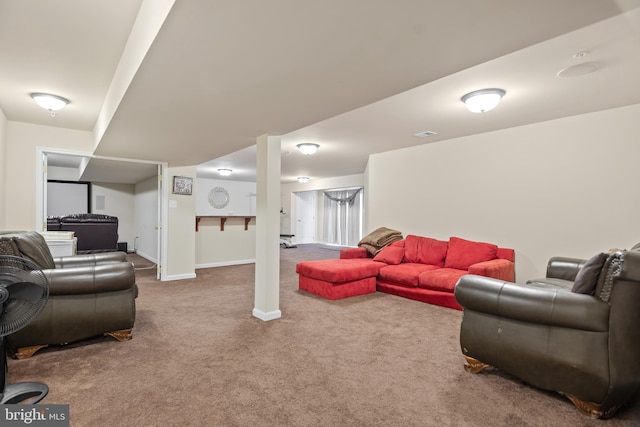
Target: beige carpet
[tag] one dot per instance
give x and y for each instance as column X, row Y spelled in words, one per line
column 199, row 358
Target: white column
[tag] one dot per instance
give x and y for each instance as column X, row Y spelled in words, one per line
column 267, row 287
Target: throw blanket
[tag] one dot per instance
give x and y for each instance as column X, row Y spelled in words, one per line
column 378, row 239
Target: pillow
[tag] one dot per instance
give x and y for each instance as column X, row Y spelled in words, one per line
column 587, row 277
column 391, row 255
column 8, row 247
column 464, row 253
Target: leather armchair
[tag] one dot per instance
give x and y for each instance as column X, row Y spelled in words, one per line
column 89, row 295
column 585, row 347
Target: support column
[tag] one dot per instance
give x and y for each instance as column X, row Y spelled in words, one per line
column 267, row 281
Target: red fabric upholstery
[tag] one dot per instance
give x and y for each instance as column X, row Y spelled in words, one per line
column 335, row 291
column 442, row 279
column 425, row 250
column 506, row 253
column 501, row 269
column 390, row 255
column 404, row 274
column 429, row 277
column 444, row 299
column 348, row 253
column 339, row 270
column 464, row 253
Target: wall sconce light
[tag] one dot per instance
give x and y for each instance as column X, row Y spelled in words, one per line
column 481, row 101
column 225, row 172
column 51, row 103
column 303, row 179
column 307, row 148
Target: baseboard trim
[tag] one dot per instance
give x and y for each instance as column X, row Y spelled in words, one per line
column 179, row 277
column 147, row 257
column 272, row 315
column 225, row 263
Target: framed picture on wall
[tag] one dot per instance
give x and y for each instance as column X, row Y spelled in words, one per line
column 182, row 185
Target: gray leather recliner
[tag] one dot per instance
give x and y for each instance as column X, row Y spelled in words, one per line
column 584, row 346
column 89, row 295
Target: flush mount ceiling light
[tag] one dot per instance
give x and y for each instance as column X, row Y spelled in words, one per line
column 51, row 103
column 307, row 148
column 225, row 172
column 483, row 100
column 303, row 179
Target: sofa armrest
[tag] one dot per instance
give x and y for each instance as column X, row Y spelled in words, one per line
column 90, row 259
column 564, row 268
column 348, row 253
column 497, row 268
column 91, row 279
column 551, row 307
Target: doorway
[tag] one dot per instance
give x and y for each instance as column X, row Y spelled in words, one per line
column 306, row 217
column 144, row 190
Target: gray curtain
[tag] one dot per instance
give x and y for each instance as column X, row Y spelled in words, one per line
column 342, row 223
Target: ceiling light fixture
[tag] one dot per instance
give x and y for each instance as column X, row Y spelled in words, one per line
column 225, row 172
column 51, row 103
column 483, row 100
column 303, row 179
column 307, row 148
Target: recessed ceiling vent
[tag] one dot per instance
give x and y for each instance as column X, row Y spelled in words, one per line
column 425, row 134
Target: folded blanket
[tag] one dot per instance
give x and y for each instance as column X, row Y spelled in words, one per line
column 378, row 239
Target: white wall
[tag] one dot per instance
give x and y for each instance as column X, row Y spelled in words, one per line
column 242, row 197
column 181, row 229
column 234, row 245
column 563, row 187
column 146, row 219
column 3, row 169
column 23, row 139
column 119, row 201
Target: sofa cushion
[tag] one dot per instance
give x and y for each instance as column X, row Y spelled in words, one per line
column 442, row 279
column 587, row 277
column 339, row 270
column 424, row 250
column 463, row 253
column 405, row 274
column 390, row 255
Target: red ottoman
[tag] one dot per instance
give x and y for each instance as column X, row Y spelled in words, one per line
column 338, row 278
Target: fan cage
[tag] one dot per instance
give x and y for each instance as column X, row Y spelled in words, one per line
column 18, row 313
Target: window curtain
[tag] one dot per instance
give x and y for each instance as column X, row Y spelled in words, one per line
column 342, row 223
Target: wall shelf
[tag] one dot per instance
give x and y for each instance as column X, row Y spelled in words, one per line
column 223, row 219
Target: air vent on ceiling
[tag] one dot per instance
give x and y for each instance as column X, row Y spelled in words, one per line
column 425, row 134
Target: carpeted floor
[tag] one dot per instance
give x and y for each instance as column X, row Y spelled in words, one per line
column 199, row 358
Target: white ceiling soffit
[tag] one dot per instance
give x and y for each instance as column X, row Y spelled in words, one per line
column 221, row 73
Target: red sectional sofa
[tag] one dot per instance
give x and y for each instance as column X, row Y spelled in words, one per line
column 416, row 267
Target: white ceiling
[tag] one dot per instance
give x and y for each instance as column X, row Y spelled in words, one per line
column 356, row 77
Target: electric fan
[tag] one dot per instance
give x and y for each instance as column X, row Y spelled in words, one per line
column 24, row 290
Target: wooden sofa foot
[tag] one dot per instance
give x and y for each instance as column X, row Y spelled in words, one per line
column 473, row 365
column 121, row 335
column 590, row 409
column 27, row 352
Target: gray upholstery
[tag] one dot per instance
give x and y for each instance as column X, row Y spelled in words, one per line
column 89, row 295
column 586, row 347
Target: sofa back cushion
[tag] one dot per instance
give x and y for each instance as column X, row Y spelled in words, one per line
column 587, row 277
column 464, row 253
column 424, row 250
column 33, row 247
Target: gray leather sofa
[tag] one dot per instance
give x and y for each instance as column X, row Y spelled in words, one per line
column 585, row 346
column 89, row 295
